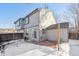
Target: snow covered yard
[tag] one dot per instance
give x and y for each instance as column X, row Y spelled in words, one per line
column 22, row 48
column 74, row 47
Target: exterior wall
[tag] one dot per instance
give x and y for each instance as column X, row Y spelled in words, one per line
column 46, row 18
column 17, row 27
column 64, row 34
column 33, row 20
column 52, row 34
column 30, row 32
column 42, row 36
column 31, row 26
column 38, row 20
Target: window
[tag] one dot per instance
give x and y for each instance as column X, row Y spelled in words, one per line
column 21, row 21
column 35, row 34
column 26, row 20
column 17, row 23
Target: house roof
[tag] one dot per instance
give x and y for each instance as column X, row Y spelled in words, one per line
column 19, row 20
column 55, row 26
column 27, row 15
column 32, row 12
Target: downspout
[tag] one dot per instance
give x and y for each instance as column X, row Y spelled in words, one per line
column 39, row 23
column 68, row 32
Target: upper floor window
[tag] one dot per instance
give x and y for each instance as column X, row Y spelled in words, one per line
column 17, row 23
column 26, row 20
column 22, row 21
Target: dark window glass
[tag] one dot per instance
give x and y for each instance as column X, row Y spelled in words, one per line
column 35, row 34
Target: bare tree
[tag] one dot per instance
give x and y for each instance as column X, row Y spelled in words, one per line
column 74, row 9
column 71, row 14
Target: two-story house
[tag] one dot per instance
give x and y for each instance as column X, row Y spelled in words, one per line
column 34, row 23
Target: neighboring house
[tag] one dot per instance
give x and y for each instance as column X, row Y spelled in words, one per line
column 34, row 23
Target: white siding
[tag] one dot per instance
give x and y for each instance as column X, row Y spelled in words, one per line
column 46, row 18
column 31, row 26
column 33, row 20
column 53, row 34
column 30, row 32
column 17, row 27
column 64, row 34
column 41, row 35
column 43, row 18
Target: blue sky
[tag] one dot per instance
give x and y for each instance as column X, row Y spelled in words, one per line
column 11, row 12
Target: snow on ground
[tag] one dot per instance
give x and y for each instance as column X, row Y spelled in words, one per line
column 65, row 49
column 74, row 47
column 21, row 48
column 35, row 52
column 46, row 51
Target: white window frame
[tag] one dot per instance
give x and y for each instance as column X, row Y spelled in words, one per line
column 17, row 23
column 26, row 20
